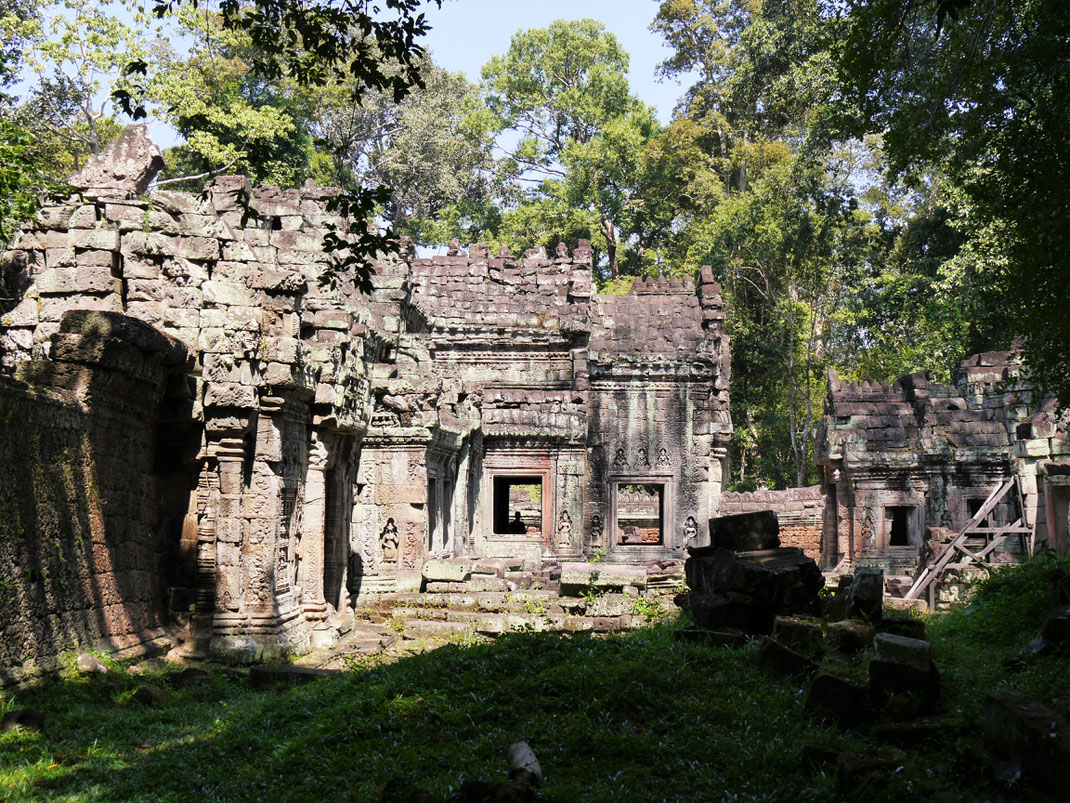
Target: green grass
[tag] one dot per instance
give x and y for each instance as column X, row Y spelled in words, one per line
column 619, row 718
column 629, row 717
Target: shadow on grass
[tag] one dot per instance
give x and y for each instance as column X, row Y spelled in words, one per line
column 631, row 717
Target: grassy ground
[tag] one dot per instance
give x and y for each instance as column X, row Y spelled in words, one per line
column 631, row 717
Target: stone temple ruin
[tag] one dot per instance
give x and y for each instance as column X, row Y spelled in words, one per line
column 906, row 466
column 195, row 427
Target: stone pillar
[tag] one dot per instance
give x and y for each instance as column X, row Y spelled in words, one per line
column 229, row 453
column 313, row 521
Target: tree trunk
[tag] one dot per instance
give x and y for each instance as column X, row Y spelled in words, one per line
column 611, row 246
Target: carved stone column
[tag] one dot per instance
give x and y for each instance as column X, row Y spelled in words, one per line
column 313, row 522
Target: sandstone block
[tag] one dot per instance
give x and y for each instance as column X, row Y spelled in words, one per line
column 746, row 532
column 447, row 570
column 1032, row 735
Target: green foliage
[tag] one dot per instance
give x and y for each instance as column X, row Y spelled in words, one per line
column 607, row 717
column 978, row 96
column 21, row 179
column 974, row 645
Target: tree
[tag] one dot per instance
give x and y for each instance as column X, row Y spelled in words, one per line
column 976, row 91
column 78, row 49
column 562, row 94
column 431, row 150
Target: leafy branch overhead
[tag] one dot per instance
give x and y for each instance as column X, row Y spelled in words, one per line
column 305, row 45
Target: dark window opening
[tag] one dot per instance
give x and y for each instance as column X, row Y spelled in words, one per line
column 900, row 519
column 973, row 507
column 432, row 512
column 640, row 514
column 518, row 506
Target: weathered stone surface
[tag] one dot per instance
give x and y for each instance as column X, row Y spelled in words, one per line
column 803, row 634
column 447, row 570
column 127, row 167
column 781, row 660
column 746, row 532
column 851, row 635
column 149, row 695
column 783, row 578
column 90, row 664
column 865, row 598
column 1023, row 730
column 902, row 665
column 836, row 697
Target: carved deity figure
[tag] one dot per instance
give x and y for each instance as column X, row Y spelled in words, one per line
column 564, row 530
column 597, row 528
column 620, row 461
column 388, row 540
column 663, row 458
column 641, row 458
column 690, row 530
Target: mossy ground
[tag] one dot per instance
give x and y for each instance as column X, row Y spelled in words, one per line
column 630, row 717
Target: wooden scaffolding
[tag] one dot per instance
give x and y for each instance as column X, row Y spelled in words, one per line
column 973, row 545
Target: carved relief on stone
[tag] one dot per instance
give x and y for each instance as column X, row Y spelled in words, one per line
column 366, row 548
column 597, row 528
column 415, row 469
column 690, row 530
column 564, row 530
column 620, row 461
column 663, row 458
column 411, row 546
column 388, row 541
column 258, row 581
column 641, row 458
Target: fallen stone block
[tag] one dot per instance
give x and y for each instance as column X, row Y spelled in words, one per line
column 447, row 570
column 836, row 697
column 851, row 635
column 903, row 665
column 800, row 633
column 865, row 598
column 784, row 578
column 1022, row 730
column 780, row 660
column 731, row 611
column 746, row 532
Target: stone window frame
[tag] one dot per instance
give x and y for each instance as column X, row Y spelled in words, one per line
column 545, row 475
column 665, row 480
column 916, row 526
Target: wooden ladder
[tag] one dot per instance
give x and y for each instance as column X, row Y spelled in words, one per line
column 957, row 545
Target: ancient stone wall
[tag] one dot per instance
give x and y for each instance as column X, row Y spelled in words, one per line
column 340, row 441
column 898, row 460
column 800, row 511
column 91, row 509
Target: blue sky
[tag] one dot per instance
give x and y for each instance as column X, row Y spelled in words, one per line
column 466, row 33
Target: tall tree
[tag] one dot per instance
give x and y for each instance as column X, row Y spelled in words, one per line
column 568, row 120
column 976, row 89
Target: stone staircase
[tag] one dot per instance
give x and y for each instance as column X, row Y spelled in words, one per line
column 471, row 599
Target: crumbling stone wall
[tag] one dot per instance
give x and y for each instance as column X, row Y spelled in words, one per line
column 911, row 456
column 800, row 511
column 91, row 508
column 335, row 442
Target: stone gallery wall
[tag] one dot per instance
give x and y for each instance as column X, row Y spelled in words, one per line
column 900, row 459
column 800, row 511
column 326, row 444
column 88, row 537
